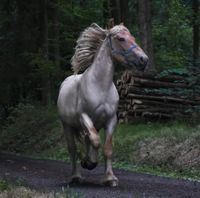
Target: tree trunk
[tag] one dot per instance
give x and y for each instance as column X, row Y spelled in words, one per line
column 196, row 38
column 56, row 37
column 46, row 85
column 124, row 12
column 145, row 27
column 106, row 12
column 46, row 33
column 115, row 11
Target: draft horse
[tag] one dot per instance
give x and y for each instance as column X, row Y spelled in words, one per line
column 88, row 102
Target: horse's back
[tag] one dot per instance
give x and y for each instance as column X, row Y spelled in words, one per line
column 67, row 98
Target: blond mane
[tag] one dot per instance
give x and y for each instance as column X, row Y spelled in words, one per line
column 88, row 44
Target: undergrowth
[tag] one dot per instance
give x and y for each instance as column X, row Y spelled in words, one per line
column 4, row 185
column 36, row 131
column 31, row 128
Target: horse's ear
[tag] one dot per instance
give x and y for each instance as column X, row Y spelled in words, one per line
column 94, row 25
column 110, row 23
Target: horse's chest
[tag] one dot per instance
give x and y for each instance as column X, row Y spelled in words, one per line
column 103, row 113
column 104, row 110
column 99, row 104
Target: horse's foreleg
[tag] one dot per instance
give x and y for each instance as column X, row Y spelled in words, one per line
column 92, row 143
column 110, row 178
column 91, row 159
column 92, row 133
column 69, row 134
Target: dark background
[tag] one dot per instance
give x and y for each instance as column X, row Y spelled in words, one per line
column 37, row 39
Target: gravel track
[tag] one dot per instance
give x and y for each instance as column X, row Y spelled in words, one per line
column 52, row 175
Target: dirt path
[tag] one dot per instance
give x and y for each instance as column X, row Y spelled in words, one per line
column 52, row 175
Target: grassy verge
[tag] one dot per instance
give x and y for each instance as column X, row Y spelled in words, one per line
column 10, row 191
column 168, row 149
column 189, row 174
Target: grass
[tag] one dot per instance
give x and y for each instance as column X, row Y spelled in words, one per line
column 8, row 190
column 36, row 131
column 177, row 129
column 125, row 141
column 4, row 185
column 23, row 192
column 127, row 136
column 190, row 174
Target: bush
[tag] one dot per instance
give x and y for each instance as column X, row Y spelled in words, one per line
column 31, row 128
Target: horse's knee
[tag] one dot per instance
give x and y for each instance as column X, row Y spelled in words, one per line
column 92, row 133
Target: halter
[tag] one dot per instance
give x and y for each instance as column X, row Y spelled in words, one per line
column 123, row 53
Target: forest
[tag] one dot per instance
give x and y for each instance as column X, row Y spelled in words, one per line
column 38, row 39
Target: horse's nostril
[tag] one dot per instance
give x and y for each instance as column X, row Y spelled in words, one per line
column 143, row 60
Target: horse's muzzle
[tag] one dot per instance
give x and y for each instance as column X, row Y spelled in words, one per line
column 87, row 164
column 140, row 67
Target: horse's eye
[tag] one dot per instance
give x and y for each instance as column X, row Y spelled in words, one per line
column 121, row 39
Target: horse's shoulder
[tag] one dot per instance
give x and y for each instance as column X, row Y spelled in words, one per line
column 70, row 80
column 113, row 93
column 114, row 89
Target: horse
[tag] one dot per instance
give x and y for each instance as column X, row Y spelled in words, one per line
column 87, row 102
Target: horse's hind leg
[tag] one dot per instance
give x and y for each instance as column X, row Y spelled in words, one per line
column 69, row 134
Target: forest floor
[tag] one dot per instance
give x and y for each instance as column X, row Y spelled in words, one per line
column 53, row 175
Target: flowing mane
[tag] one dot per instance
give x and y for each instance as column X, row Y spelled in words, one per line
column 87, row 45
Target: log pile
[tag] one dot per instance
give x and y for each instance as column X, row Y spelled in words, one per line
column 153, row 97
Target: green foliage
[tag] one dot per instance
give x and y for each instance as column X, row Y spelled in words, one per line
column 22, row 33
column 36, row 131
column 4, row 185
column 192, row 92
column 42, row 67
column 188, row 174
column 127, row 136
column 23, row 192
column 171, row 30
column 31, row 129
column 174, row 71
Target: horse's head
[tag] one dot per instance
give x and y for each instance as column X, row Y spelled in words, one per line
column 124, row 48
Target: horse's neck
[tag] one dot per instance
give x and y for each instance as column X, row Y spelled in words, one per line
column 102, row 68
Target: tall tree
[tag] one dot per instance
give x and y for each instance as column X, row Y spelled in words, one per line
column 56, row 26
column 124, row 11
column 119, row 11
column 145, row 28
column 115, row 11
column 46, row 85
column 196, row 36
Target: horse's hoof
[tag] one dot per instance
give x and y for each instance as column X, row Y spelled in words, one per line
column 87, row 164
column 111, row 183
column 76, row 180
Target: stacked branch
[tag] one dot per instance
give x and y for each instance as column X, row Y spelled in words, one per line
column 154, row 97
